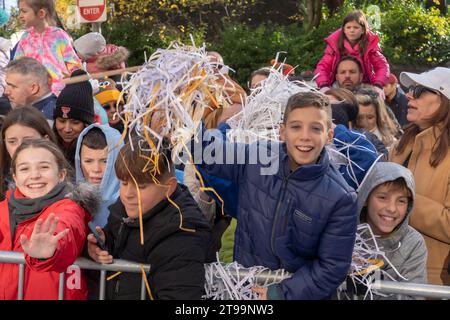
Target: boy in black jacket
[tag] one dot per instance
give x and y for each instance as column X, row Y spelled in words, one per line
column 176, row 240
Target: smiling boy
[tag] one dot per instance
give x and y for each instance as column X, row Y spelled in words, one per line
column 303, row 217
column 385, row 201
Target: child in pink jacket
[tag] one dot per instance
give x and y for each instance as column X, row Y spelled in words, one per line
column 355, row 39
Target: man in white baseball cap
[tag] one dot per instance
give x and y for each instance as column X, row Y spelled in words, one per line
column 438, row 80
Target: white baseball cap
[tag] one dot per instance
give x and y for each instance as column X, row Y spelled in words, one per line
column 437, row 79
column 90, row 44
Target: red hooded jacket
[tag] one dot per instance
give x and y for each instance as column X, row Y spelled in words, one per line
column 375, row 66
column 42, row 277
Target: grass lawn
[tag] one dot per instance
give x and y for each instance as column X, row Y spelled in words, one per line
column 226, row 252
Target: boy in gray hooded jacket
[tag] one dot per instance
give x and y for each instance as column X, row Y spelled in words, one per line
column 385, row 202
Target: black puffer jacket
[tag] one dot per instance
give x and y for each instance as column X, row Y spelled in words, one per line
column 176, row 257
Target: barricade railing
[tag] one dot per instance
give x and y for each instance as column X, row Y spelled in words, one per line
column 382, row 286
column 413, row 289
column 82, row 263
column 387, row 287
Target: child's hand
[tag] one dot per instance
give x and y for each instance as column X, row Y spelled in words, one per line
column 97, row 254
column 261, row 291
column 43, row 242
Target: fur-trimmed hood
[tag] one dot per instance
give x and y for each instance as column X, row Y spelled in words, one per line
column 86, row 196
column 112, row 57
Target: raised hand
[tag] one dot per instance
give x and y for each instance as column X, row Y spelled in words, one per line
column 43, row 241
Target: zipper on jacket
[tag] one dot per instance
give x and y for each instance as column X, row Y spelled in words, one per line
column 119, row 237
column 117, row 287
column 275, row 221
column 286, row 217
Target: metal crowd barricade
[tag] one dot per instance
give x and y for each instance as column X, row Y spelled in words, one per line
column 82, row 263
column 382, row 286
column 413, row 289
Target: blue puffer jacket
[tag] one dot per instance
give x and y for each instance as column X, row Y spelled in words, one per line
column 304, row 221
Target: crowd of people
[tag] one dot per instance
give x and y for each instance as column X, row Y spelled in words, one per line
column 67, row 173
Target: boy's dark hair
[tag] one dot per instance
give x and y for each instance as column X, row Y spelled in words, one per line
column 308, row 99
column 135, row 161
column 350, row 58
column 398, row 184
column 95, row 139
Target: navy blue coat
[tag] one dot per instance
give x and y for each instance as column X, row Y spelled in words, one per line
column 304, row 221
column 47, row 106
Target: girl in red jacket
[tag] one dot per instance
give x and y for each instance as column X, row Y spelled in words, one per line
column 41, row 218
column 355, row 39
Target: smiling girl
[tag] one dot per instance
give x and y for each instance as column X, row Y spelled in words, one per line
column 42, row 217
column 20, row 124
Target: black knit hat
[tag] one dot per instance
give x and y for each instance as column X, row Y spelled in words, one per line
column 76, row 101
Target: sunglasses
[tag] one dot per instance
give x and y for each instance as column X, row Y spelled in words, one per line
column 418, row 90
column 108, row 106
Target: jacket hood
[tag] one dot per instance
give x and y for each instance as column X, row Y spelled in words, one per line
column 112, row 57
column 383, row 172
column 109, row 187
column 333, row 39
column 86, row 196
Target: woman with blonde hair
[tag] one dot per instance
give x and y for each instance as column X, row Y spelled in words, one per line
column 373, row 117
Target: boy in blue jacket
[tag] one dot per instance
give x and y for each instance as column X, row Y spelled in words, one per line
column 295, row 213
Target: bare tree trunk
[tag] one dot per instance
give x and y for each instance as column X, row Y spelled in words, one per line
column 313, row 13
column 333, row 5
column 317, row 13
column 309, row 14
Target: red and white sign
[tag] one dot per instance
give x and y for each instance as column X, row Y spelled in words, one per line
column 92, row 10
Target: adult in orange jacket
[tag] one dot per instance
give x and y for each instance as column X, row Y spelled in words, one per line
column 425, row 150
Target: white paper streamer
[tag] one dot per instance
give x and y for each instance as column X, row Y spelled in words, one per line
column 366, row 253
column 171, row 91
column 234, row 282
column 263, row 109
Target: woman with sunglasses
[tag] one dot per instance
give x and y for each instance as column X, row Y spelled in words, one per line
column 425, row 150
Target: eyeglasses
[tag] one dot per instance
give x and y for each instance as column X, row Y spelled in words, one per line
column 418, row 90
